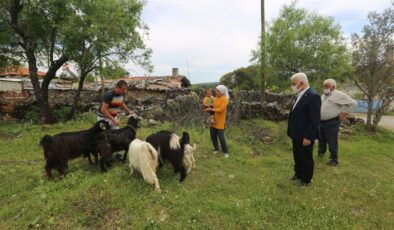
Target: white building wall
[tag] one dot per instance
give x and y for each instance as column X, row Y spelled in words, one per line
column 6, row 85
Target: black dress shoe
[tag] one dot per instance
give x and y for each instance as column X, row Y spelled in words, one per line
column 295, row 177
column 332, row 163
column 305, row 184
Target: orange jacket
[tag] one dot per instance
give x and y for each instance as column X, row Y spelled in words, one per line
column 220, row 109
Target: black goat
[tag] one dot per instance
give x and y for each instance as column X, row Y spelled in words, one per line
column 127, row 133
column 108, row 143
column 171, row 148
column 58, row 149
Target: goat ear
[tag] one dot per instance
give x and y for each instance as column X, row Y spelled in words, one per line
column 194, row 147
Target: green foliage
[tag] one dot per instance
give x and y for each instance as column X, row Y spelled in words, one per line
column 359, row 96
column 242, row 78
column 373, row 62
column 112, row 30
column 205, row 85
column 302, row 41
column 33, row 115
column 71, row 30
column 114, row 72
column 89, row 77
column 249, row 190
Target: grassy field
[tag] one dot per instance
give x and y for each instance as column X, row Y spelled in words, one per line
column 249, row 190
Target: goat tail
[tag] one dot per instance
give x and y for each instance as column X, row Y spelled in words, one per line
column 152, row 152
column 49, row 146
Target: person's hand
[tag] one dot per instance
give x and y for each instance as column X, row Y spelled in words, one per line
column 306, row 142
column 208, row 110
column 115, row 122
column 342, row 116
column 131, row 113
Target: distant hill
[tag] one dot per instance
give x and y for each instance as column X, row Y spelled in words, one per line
column 205, row 85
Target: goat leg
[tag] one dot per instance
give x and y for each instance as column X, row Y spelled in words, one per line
column 157, row 185
column 48, row 171
column 124, row 156
column 183, row 174
column 95, row 154
column 90, row 160
column 103, row 162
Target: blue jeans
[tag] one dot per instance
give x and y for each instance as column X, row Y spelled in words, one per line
column 215, row 134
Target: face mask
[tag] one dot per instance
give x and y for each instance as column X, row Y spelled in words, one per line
column 327, row 91
column 294, row 88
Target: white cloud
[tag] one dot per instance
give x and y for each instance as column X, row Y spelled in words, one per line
column 217, row 36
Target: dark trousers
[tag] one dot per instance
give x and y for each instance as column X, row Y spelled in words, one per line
column 329, row 135
column 215, row 134
column 303, row 160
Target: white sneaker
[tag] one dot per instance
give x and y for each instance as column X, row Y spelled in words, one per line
column 226, row 155
column 215, row 152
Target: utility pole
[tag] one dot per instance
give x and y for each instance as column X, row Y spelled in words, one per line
column 262, row 52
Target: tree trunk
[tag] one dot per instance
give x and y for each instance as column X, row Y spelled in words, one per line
column 46, row 114
column 71, row 114
column 377, row 118
column 263, row 54
column 369, row 114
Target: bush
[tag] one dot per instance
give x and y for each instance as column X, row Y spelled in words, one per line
column 33, row 115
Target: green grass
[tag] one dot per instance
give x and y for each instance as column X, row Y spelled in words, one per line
column 389, row 113
column 249, row 190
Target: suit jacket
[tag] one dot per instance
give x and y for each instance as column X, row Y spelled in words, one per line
column 304, row 119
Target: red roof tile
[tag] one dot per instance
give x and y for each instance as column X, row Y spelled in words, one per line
column 16, row 71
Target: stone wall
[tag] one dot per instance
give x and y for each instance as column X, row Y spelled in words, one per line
column 157, row 103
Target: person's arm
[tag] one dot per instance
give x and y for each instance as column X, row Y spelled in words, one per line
column 105, row 112
column 314, row 119
column 221, row 107
column 124, row 106
column 347, row 108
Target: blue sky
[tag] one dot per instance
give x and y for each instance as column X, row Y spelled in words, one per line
column 208, row 38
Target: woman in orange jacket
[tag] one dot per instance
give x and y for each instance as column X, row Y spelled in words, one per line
column 220, row 103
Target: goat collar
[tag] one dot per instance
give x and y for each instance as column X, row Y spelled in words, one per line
column 132, row 128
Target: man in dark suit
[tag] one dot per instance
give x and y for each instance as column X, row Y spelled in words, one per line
column 303, row 128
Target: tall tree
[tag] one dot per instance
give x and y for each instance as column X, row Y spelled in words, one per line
column 52, row 32
column 10, row 52
column 36, row 27
column 373, row 63
column 244, row 78
column 302, row 41
column 115, row 38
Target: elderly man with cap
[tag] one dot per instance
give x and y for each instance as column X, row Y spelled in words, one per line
column 219, row 108
column 303, row 127
column 335, row 107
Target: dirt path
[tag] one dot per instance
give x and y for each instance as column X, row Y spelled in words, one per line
column 386, row 122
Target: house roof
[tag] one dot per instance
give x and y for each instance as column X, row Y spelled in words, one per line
column 19, row 71
column 152, row 78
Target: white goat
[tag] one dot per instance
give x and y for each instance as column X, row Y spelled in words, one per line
column 188, row 158
column 144, row 158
